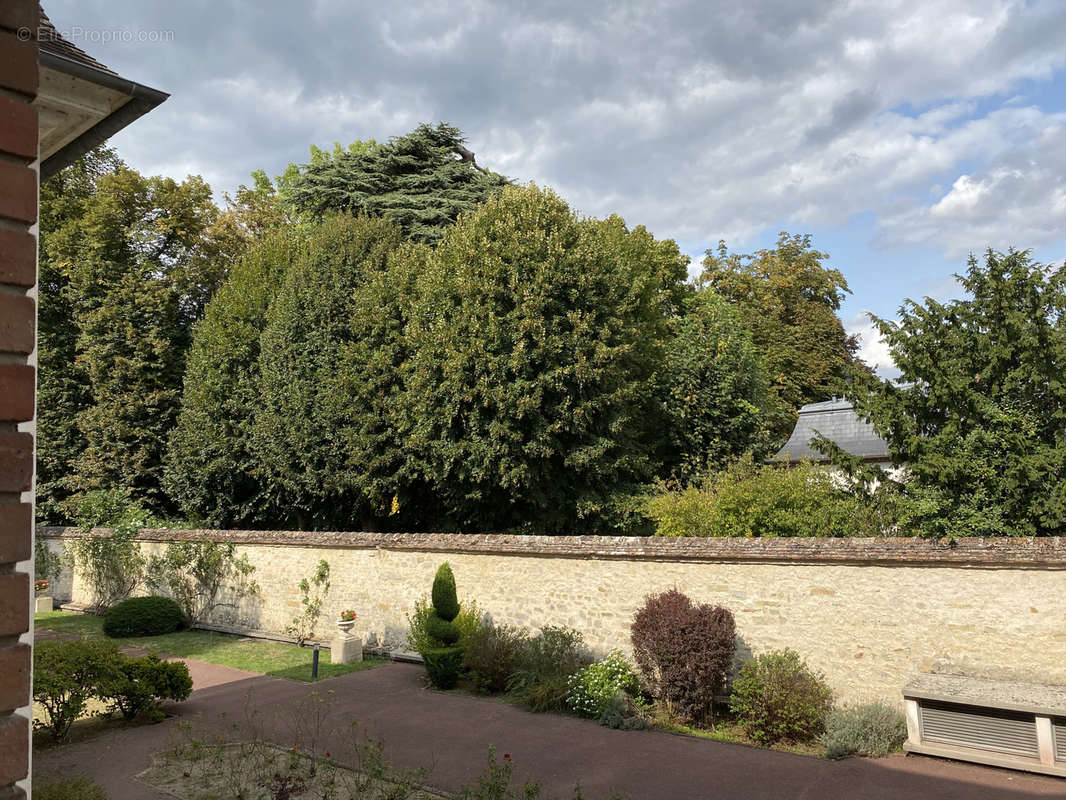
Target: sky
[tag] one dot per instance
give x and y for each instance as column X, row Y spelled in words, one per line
column 901, row 135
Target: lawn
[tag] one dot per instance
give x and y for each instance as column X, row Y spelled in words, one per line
column 254, row 655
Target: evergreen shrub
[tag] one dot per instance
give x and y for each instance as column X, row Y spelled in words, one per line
column 143, row 616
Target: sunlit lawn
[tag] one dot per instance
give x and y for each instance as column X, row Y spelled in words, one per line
column 253, row 655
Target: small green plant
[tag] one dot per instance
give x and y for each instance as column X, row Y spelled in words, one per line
column 79, row 788
column 593, row 688
column 143, row 616
column 624, row 712
column 871, row 729
column 312, row 593
column 46, row 564
column 111, row 563
column 141, row 683
column 201, row 576
column 66, row 675
column 491, row 654
column 545, row 663
column 418, row 637
column 778, row 697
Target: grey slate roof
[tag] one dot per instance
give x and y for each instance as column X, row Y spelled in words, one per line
column 51, row 41
column 836, row 420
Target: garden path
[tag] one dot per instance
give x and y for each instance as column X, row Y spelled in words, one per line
column 450, row 733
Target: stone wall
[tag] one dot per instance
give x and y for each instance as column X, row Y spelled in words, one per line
column 867, row 612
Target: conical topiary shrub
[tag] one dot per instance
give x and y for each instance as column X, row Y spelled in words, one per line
column 444, row 663
column 445, row 602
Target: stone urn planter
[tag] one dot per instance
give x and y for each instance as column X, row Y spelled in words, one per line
column 346, row 647
column 42, row 602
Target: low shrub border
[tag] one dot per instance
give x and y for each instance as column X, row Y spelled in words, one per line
column 66, row 675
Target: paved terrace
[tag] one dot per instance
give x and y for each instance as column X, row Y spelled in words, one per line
column 451, row 733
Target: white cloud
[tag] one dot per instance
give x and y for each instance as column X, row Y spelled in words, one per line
column 873, row 348
column 699, row 123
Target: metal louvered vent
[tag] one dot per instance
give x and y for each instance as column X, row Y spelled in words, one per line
column 1058, row 727
column 984, row 728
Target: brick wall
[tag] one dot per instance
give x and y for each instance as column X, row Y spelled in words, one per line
column 18, row 278
column 868, row 612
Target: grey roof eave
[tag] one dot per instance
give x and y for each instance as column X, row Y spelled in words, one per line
column 142, row 100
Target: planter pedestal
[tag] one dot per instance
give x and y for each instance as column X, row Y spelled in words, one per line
column 345, row 649
column 42, row 604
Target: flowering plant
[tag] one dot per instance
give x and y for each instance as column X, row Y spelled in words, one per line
column 348, row 615
column 591, row 689
column 40, row 585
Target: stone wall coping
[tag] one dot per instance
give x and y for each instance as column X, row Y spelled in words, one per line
column 1010, row 695
column 1037, row 552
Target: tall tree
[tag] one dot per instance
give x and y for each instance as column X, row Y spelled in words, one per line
column 789, row 302
column 421, row 181
column 303, row 424
column 979, row 414
column 63, row 390
column 534, row 339
column 714, row 391
column 212, row 472
column 136, row 294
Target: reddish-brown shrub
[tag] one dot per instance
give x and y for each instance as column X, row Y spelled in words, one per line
column 684, row 652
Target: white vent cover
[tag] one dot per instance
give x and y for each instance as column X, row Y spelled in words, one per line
column 1058, row 726
column 992, row 729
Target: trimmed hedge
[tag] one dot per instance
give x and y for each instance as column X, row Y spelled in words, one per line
column 445, row 601
column 143, row 616
column 444, row 665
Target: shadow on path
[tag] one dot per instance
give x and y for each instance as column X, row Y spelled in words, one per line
column 450, row 733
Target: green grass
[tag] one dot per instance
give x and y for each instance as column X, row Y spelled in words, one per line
column 253, row 655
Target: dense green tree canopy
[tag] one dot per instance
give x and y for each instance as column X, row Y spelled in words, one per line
column 714, row 390
column 421, row 181
column 979, row 417
column 139, row 291
column 62, row 386
column 128, row 264
column 534, row 339
column 788, row 300
column 212, row 472
column 305, row 418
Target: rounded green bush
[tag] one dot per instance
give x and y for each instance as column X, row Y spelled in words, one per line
column 143, row 616
column 442, row 630
column 444, row 665
column 777, row 696
column 445, row 601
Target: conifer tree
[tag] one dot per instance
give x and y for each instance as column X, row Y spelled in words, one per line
column 979, row 414
column 212, row 471
column 304, row 423
column 421, row 181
